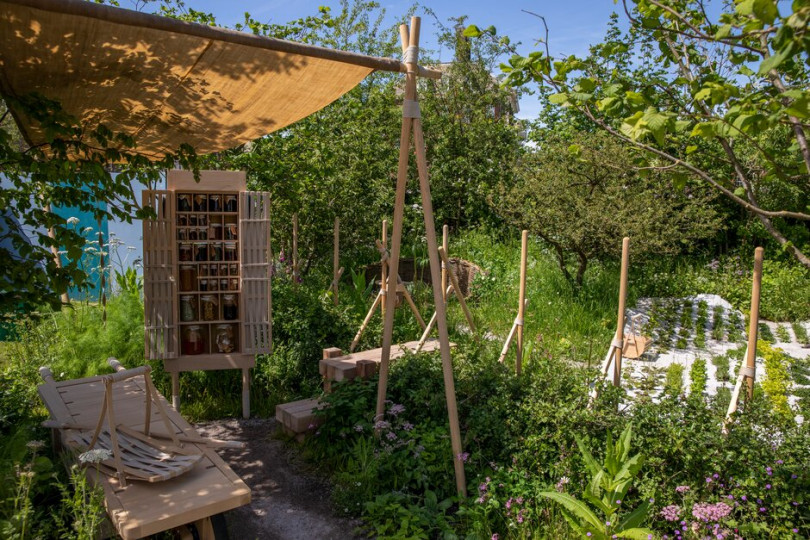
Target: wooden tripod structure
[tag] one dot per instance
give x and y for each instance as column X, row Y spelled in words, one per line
column 615, row 354
column 379, row 300
column 447, row 271
column 412, row 124
column 747, row 373
column 517, row 326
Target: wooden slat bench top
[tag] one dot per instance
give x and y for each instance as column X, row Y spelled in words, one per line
column 141, row 509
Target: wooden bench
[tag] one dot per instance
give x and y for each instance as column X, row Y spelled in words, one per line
column 336, row 366
column 141, row 509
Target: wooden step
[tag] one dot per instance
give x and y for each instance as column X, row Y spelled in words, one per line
column 299, row 416
column 349, row 366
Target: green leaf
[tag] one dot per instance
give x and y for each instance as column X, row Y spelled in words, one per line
column 635, row 534
column 578, row 508
column 593, row 466
column 766, row 10
column 773, row 62
column 575, row 149
column 472, row 31
column 705, row 130
column 634, row 518
column 723, row 31
column 558, row 99
column 739, row 192
column 586, row 84
column 623, row 444
column 691, row 148
column 703, row 93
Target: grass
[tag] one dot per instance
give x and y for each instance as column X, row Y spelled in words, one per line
column 735, row 327
column 782, row 333
column 765, row 333
column 718, row 323
column 800, row 332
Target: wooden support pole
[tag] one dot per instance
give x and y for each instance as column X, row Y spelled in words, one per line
column 753, row 323
column 336, row 270
column 295, row 248
column 524, row 246
column 411, row 121
column 446, row 247
column 618, row 342
column 384, row 264
column 511, row 336
column 457, row 290
column 377, row 300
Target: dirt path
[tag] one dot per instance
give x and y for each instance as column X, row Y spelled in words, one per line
column 287, row 502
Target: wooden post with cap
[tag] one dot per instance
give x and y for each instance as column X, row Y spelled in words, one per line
column 411, row 123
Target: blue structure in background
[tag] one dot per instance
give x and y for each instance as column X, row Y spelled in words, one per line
column 86, row 224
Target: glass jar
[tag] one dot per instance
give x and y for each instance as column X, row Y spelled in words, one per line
column 192, row 220
column 202, row 233
column 231, row 204
column 214, row 270
column 200, row 203
column 182, row 234
column 231, row 231
column 188, row 277
column 230, row 251
column 214, row 203
column 182, row 220
column 234, row 284
column 184, row 202
column 186, row 253
column 216, row 231
column 223, row 284
column 225, row 338
column 192, row 234
column 233, row 269
column 209, row 307
column 200, row 251
column 203, row 285
column 230, row 309
column 193, row 341
column 213, row 285
column 188, row 308
column 215, row 252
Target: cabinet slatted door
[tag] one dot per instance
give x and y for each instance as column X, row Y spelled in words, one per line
column 160, row 286
column 255, row 260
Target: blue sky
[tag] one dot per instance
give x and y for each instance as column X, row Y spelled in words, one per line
column 573, row 24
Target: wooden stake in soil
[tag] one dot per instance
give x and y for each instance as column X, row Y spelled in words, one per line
column 383, row 267
column 336, row 262
column 517, row 326
column 618, row 343
column 747, row 373
column 446, row 247
column 411, row 121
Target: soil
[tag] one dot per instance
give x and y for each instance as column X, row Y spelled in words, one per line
column 288, row 501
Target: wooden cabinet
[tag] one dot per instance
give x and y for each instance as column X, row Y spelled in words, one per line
column 207, row 291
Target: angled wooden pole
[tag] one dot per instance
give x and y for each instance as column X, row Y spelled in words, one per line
column 747, row 372
column 377, row 301
column 411, row 121
column 446, row 247
column 401, row 288
column 336, row 271
column 618, row 342
column 524, row 246
column 384, row 265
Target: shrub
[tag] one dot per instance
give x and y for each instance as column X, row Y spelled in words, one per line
column 718, row 330
column 674, row 380
column 698, row 377
column 765, row 333
column 775, row 383
column 723, row 367
column 800, row 332
column 782, row 333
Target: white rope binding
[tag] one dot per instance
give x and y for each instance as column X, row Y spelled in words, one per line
column 411, row 55
column 410, row 109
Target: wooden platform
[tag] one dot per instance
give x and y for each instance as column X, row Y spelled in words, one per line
column 298, row 417
column 340, row 368
column 141, row 509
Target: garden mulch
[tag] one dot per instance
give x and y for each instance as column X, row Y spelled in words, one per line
column 289, row 501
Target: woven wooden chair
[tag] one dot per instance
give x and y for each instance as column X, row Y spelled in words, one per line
column 136, row 455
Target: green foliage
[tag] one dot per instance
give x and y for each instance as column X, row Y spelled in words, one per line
column 800, row 332
column 582, row 203
column 765, row 333
column 738, row 122
column 607, row 488
column 73, row 169
column 723, row 367
column 698, row 377
column 83, row 513
column 673, row 386
column 782, row 333
column 775, row 384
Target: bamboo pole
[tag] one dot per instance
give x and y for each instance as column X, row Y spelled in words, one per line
column 446, row 247
column 411, row 120
column 295, row 248
column 336, row 262
column 511, row 336
column 524, row 245
column 618, row 343
column 379, row 298
column 753, row 324
column 383, row 265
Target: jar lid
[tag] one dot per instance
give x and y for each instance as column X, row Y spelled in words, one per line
column 229, row 297
column 215, row 196
column 230, row 245
column 187, row 266
column 207, row 297
column 216, row 224
column 194, row 327
column 223, row 327
column 186, row 296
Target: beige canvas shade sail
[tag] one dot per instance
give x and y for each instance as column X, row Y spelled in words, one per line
column 163, row 81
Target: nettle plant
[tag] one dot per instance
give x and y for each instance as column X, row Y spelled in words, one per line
column 605, row 492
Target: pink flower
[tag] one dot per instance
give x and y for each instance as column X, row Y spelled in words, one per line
column 671, row 512
column 684, row 489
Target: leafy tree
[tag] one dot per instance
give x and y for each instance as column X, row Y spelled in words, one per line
column 72, row 169
column 724, row 100
column 583, row 195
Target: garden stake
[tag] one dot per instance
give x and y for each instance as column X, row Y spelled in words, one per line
column 517, row 326
column 446, row 246
column 411, row 121
column 747, row 373
column 295, row 249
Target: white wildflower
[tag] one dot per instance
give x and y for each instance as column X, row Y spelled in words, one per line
column 97, row 455
column 72, row 220
column 35, row 445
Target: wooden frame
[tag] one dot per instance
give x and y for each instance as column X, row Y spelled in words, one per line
column 207, row 276
column 412, row 124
